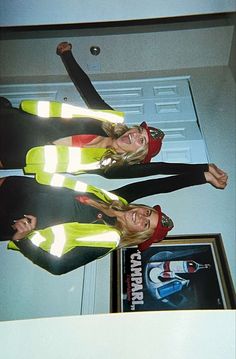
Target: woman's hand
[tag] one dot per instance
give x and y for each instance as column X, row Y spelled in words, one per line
column 216, row 180
column 217, row 172
column 24, row 226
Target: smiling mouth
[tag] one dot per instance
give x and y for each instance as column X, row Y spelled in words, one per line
column 127, row 139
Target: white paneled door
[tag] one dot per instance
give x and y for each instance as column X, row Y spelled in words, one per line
column 165, row 103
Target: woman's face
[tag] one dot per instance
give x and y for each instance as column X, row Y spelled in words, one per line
column 140, row 219
column 131, row 140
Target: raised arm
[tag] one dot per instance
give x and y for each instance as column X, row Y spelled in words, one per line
column 81, row 81
column 154, row 168
column 197, row 176
column 134, row 191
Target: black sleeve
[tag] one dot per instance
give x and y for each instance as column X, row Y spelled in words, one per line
column 134, row 191
column 82, row 83
column 153, row 168
column 74, row 259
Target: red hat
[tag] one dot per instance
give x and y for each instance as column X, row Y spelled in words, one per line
column 155, row 137
column 164, row 225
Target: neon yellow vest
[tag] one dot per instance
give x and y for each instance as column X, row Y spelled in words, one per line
column 48, row 109
column 59, row 180
column 60, row 239
column 67, row 159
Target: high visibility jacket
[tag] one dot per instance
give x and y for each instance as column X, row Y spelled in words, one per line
column 60, row 239
column 57, row 109
column 57, row 158
column 59, row 180
column 65, row 158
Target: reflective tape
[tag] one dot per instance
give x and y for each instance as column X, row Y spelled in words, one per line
column 57, row 109
column 80, row 186
column 59, row 240
column 74, row 159
column 50, row 159
column 57, row 180
column 66, row 110
column 112, row 196
column 37, row 239
column 43, row 109
column 108, row 236
column 88, row 166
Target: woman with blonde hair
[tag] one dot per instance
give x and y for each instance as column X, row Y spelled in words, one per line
column 60, row 223
column 112, row 151
column 189, row 172
column 91, row 142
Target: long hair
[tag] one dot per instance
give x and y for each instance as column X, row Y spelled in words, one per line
column 113, row 159
column 127, row 237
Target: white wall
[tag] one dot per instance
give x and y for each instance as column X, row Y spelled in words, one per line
column 21, row 12
column 30, row 292
column 170, row 335
column 163, row 50
column 232, row 60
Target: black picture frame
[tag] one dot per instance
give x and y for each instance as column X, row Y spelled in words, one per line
column 167, row 276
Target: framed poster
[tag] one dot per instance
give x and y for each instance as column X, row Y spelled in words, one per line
column 187, row 272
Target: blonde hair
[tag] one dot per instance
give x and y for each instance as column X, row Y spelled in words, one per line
column 127, row 237
column 113, row 159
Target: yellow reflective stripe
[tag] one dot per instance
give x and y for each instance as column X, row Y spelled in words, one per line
column 69, row 111
column 59, row 240
column 109, row 236
column 66, row 110
column 57, row 109
column 107, row 116
column 111, row 117
column 88, row 166
column 110, row 195
column 50, row 159
column 37, row 239
column 43, row 109
column 57, row 180
column 80, row 186
column 91, row 166
column 74, row 159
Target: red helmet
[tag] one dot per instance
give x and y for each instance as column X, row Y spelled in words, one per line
column 155, row 137
column 164, row 225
